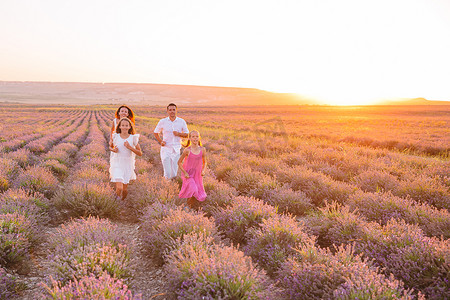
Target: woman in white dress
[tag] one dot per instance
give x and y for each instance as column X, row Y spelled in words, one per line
column 122, row 112
column 124, row 148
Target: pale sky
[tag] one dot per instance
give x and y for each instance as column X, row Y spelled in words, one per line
column 341, row 52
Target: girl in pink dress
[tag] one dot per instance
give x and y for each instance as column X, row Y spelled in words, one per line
column 192, row 164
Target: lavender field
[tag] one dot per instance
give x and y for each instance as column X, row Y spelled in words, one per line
column 304, row 202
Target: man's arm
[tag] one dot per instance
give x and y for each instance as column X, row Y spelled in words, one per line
column 158, row 138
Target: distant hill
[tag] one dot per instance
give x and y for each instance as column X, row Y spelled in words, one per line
column 145, row 94
column 415, row 101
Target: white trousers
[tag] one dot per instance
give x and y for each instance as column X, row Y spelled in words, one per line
column 169, row 159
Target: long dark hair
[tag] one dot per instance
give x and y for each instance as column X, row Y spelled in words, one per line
column 130, row 113
column 130, row 131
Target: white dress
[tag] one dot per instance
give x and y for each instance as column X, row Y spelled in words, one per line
column 122, row 163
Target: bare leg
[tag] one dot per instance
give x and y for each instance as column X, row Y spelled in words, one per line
column 125, row 191
column 119, row 189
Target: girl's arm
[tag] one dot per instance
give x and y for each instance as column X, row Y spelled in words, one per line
column 113, row 148
column 180, row 162
column 204, row 161
column 136, row 150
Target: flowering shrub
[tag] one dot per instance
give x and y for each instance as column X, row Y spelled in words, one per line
column 243, row 214
column 8, row 285
column 420, row 262
column 160, row 230
column 381, row 207
column 374, row 180
column 151, row 188
column 38, row 179
column 219, row 194
column 142, row 166
column 56, row 167
column 288, row 200
column 84, row 198
column 85, row 231
column 22, row 156
column 199, row 269
column 316, row 273
column 98, row 163
column 60, row 155
column 275, row 240
column 317, row 186
column 16, row 236
column 92, row 259
column 398, row 248
column 426, row 190
column 248, row 182
column 30, row 205
column 8, row 170
column 90, row 174
column 66, row 147
column 335, row 224
column 89, row 287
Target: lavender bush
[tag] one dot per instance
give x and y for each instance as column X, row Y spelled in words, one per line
column 16, row 236
column 92, row 259
column 85, row 231
column 84, row 198
column 151, row 188
column 316, row 273
column 56, row 167
column 219, row 194
column 382, row 207
column 426, row 190
column 29, row 204
column 243, row 214
column 275, row 240
column 89, row 287
column 375, row 180
column 8, row 285
column 199, row 269
column 334, row 224
column 38, row 179
column 288, row 200
column 319, row 187
column 250, row 183
column 159, row 231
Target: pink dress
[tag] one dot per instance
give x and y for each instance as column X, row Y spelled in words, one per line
column 193, row 186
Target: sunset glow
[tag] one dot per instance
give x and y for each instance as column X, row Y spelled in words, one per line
column 339, row 52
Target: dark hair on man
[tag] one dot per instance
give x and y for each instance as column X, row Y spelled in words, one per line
column 172, row 104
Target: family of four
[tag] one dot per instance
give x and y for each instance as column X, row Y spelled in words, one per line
column 169, row 132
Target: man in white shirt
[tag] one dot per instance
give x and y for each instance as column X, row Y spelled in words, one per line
column 173, row 129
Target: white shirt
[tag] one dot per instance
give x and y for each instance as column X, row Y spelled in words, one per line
column 167, row 127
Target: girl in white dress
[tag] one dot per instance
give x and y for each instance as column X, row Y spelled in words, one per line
column 124, row 148
column 122, row 112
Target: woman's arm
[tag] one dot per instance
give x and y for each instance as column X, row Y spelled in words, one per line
column 180, row 162
column 112, row 131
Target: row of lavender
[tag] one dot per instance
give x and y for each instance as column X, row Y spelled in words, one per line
column 300, row 198
column 88, row 257
column 29, row 182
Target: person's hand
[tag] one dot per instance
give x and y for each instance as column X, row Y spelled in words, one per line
column 176, row 133
column 163, row 143
column 127, row 145
column 186, row 174
column 203, row 172
column 114, row 149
